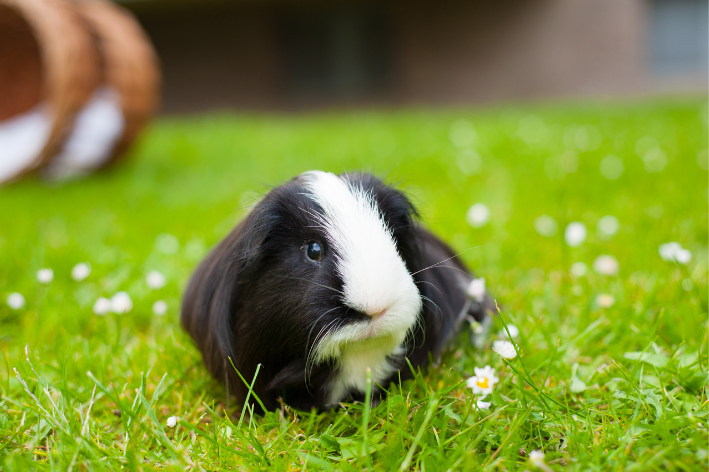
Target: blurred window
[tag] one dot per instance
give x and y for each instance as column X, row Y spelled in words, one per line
column 679, row 35
column 337, row 51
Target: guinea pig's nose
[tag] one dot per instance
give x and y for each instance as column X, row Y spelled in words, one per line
column 376, row 313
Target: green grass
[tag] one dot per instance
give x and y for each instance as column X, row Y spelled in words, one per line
column 581, row 391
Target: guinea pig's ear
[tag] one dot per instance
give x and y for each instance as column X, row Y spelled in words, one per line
column 208, row 307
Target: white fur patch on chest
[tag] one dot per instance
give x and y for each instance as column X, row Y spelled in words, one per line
column 352, row 373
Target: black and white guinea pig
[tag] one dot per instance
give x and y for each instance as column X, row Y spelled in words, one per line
column 327, row 276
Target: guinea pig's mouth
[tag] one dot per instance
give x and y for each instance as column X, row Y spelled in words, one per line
column 384, row 324
column 386, row 329
column 377, row 316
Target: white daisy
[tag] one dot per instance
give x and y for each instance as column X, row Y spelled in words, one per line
column 475, row 326
column 476, row 289
column 605, row 300
column 172, row 421
column 668, row 251
column 575, row 234
column 478, row 215
column 504, row 349
column 121, row 303
column 155, row 280
column 545, row 225
column 80, row 271
column 578, row 269
column 15, row 300
column 481, row 404
column 514, row 331
column 160, row 307
column 608, row 226
column 102, row 306
column 606, row 265
column 674, row 251
column 483, row 381
column 536, row 456
column 683, row 256
column 45, row 276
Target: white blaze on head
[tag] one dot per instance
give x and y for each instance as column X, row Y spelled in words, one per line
column 375, row 278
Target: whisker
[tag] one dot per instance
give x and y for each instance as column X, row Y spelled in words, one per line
column 434, row 304
column 307, row 343
column 429, row 283
column 459, row 270
column 324, row 331
column 316, row 283
column 444, row 260
column 310, row 361
column 318, row 338
column 412, row 333
column 451, row 267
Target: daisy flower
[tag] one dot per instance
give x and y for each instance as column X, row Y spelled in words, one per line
column 514, row 331
column 45, row 276
column 474, row 325
column 504, row 349
column 15, row 300
column 575, row 234
column 160, row 307
column 608, row 226
column 478, row 215
column 155, row 280
column 483, row 381
column 476, row 289
column 673, row 251
column 102, row 306
column 121, row 303
column 481, row 404
column 172, row 421
column 536, row 456
column 605, row 300
column 545, row 225
column 80, row 271
column 606, row 265
column 683, row 256
column 668, row 250
column 578, row 269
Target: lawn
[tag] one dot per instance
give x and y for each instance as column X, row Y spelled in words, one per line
column 612, row 366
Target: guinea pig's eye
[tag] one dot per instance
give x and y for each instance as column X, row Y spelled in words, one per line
column 314, row 252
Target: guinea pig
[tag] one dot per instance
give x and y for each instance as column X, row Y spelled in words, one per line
column 327, row 277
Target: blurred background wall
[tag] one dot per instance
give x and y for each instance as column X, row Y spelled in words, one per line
column 271, row 54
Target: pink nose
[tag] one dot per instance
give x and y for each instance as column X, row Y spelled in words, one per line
column 376, row 313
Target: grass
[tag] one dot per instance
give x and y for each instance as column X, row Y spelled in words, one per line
column 616, row 388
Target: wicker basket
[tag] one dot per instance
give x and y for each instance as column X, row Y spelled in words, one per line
column 61, row 54
column 129, row 65
column 46, row 56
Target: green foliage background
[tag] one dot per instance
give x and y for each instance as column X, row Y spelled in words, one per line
column 595, row 388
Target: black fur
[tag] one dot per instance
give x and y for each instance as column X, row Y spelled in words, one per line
column 257, row 299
